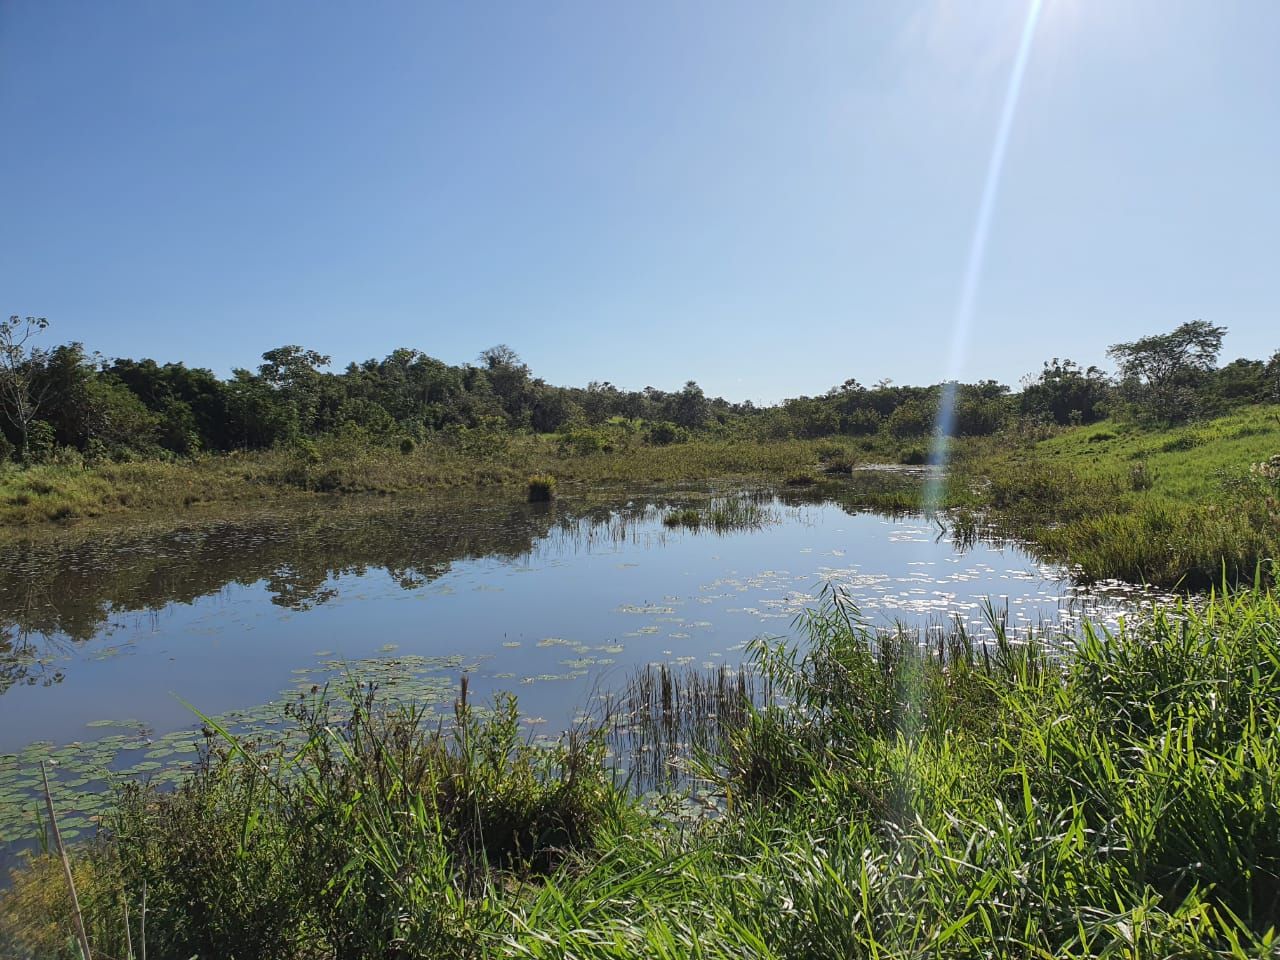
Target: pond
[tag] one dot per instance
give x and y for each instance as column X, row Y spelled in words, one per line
column 108, row 643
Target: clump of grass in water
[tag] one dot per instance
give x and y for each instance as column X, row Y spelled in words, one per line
column 688, row 517
column 724, row 514
column 541, row 488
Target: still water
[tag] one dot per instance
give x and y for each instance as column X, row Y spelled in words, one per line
column 107, row 644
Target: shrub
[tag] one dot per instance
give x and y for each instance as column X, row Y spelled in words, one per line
column 861, row 422
column 663, row 433
column 541, row 487
column 584, row 440
column 40, row 441
column 914, row 456
column 830, row 451
column 407, row 445
column 842, row 464
column 914, row 418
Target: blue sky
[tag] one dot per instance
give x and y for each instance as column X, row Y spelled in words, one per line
column 769, row 198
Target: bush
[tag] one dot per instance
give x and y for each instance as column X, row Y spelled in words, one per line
column 861, row 422
column 663, row 433
column 914, row 456
column 407, row 445
column 828, row 452
column 914, row 418
column 584, row 440
column 40, row 441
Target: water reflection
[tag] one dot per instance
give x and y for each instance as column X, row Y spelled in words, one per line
column 104, row 639
column 56, row 592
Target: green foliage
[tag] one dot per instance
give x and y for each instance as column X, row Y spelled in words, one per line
column 41, row 441
column 915, row 418
column 407, row 445
column 584, row 440
column 664, row 433
column 686, row 517
column 383, row 835
column 861, row 423
column 1165, row 377
column 1066, row 393
column 1169, row 507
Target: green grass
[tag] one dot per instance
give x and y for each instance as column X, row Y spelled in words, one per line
column 1110, row 795
column 1175, row 508
column 1187, row 463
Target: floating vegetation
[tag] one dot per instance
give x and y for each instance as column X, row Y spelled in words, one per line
column 83, row 773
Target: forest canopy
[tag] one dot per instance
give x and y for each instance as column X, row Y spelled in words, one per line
column 62, row 397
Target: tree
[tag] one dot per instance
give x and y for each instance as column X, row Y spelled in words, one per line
column 1065, row 392
column 294, row 372
column 1272, row 375
column 690, row 409
column 21, row 394
column 1162, row 375
column 508, row 378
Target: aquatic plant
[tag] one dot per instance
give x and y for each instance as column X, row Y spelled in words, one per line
column 541, row 488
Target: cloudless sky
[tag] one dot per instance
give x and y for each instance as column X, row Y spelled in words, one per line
column 766, row 197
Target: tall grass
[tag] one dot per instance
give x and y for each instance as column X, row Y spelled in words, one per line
column 894, row 795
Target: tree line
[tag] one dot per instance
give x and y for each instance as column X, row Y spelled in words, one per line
column 55, row 398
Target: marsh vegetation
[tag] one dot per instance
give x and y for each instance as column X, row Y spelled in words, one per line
column 901, row 773
column 1104, row 794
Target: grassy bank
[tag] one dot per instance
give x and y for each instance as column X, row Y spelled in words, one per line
column 71, row 492
column 1176, row 508
column 1116, row 797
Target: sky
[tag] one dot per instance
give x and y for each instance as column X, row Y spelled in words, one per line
column 767, row 198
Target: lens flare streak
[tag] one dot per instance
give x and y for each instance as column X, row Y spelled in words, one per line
column 977, row 256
